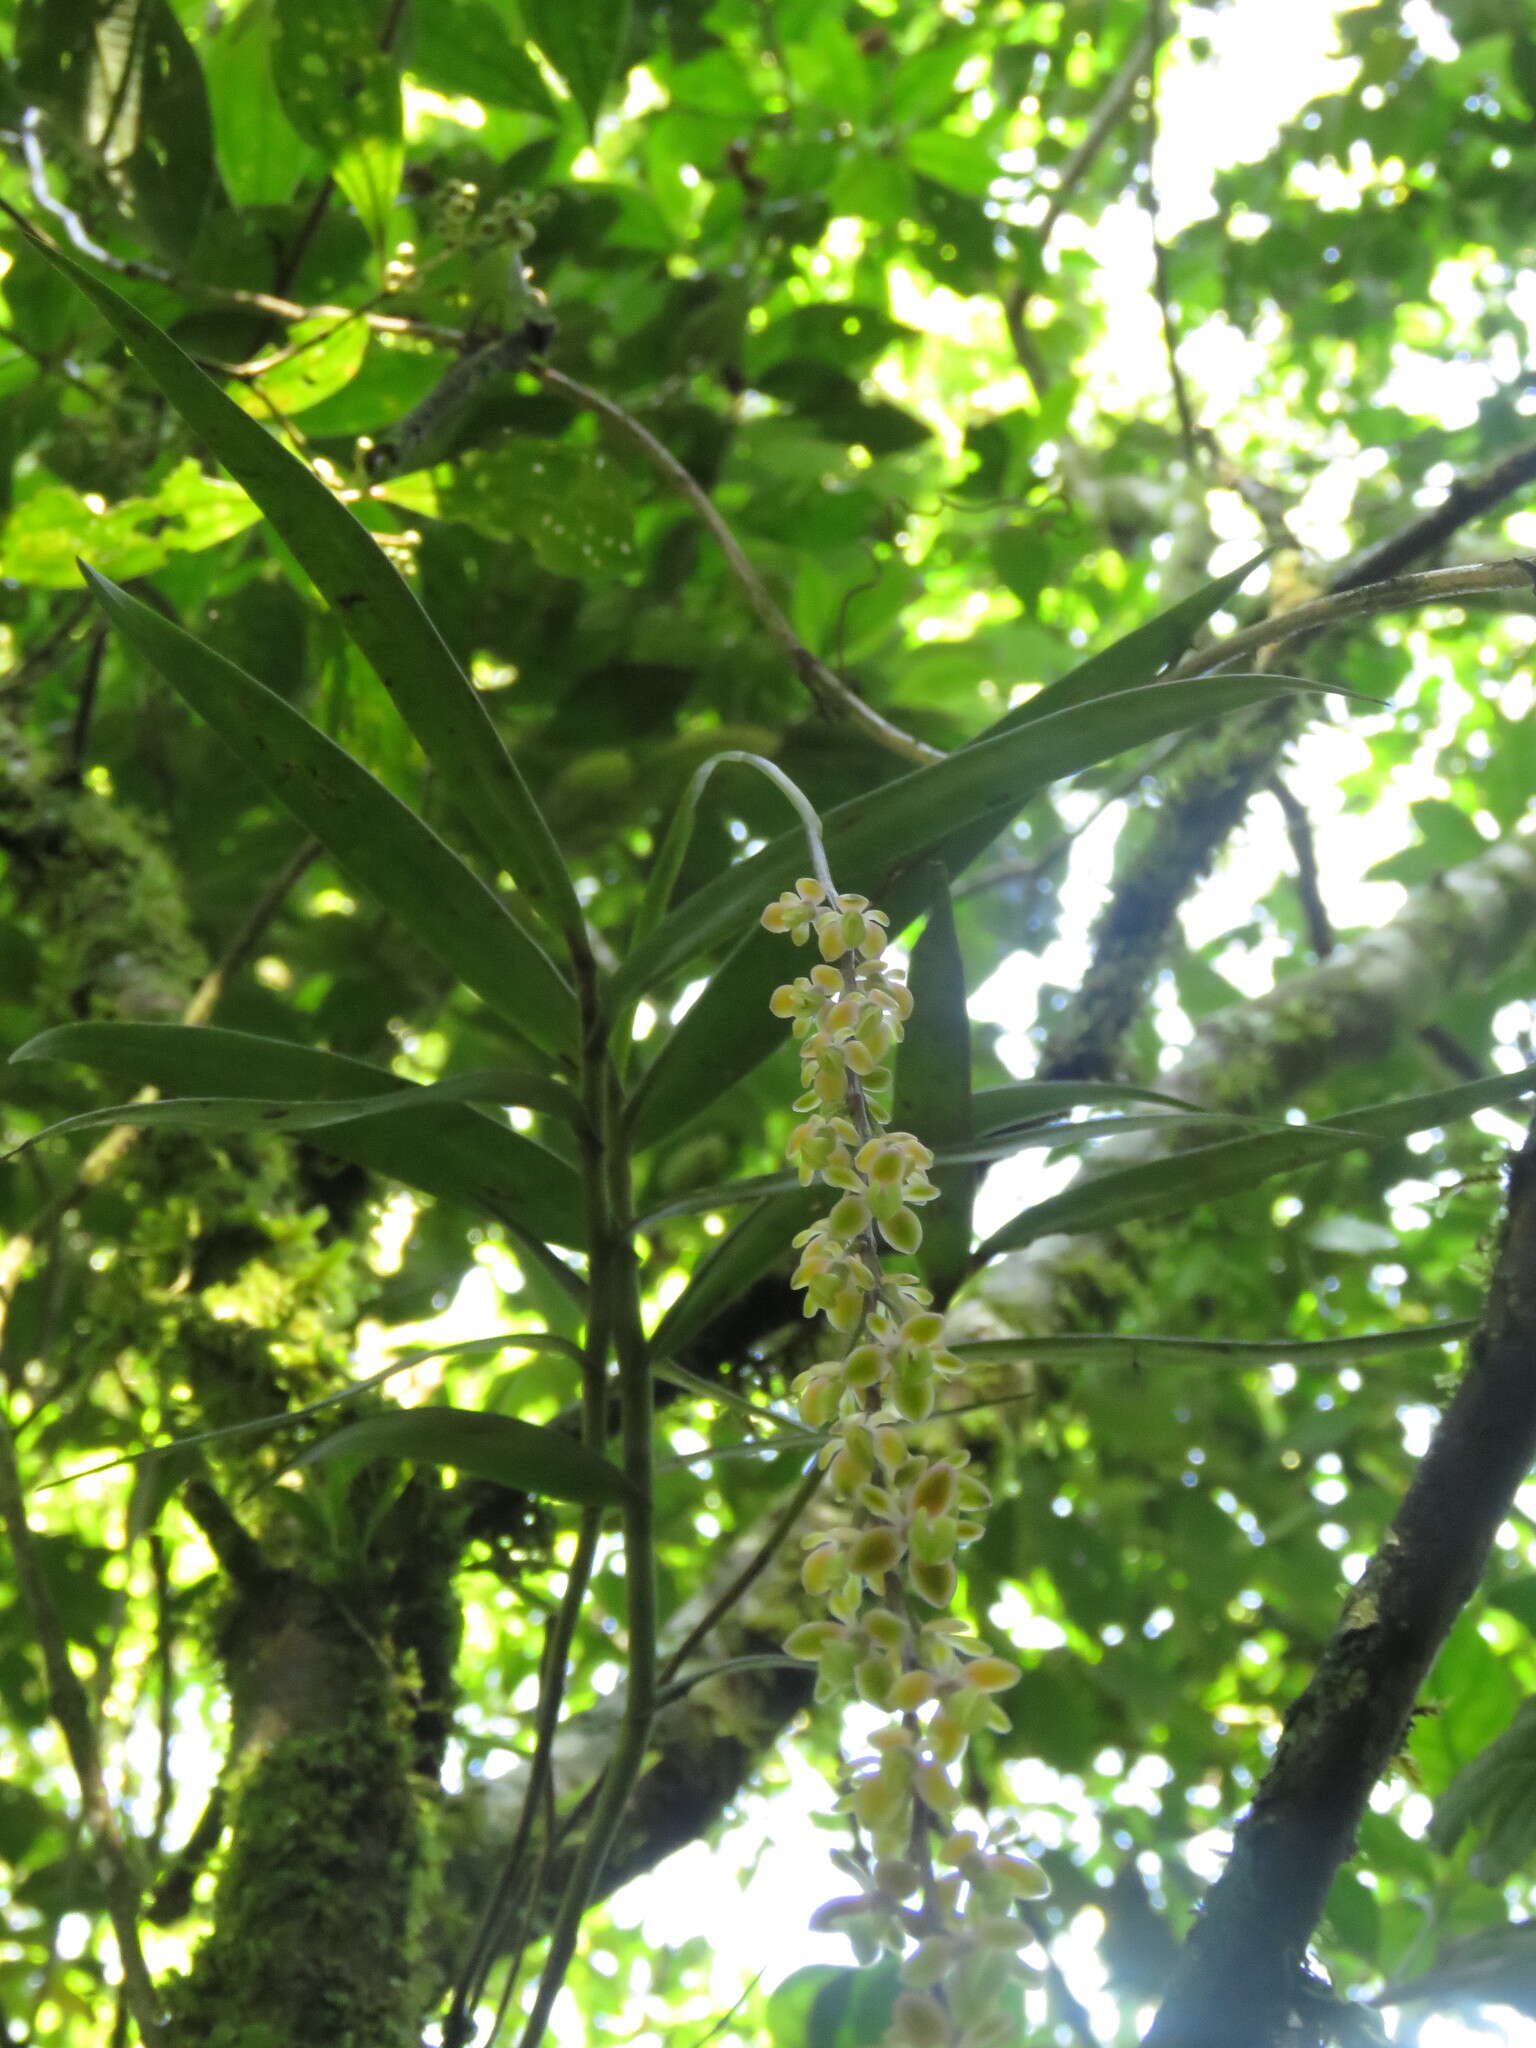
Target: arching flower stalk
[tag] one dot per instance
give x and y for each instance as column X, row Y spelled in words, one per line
column 929, row 1891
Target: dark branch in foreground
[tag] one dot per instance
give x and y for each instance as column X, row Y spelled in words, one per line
column 1239, row 1982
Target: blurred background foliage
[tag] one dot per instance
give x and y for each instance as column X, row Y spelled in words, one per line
column 991, row 332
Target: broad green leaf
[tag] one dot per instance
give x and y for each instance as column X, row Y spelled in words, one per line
column 51, row 526
column 317, row 359
column 874, row 845
column 1163, row 1187
column 570, row 504
column 933, row 1086
column 1494, row 1795
column 381, row 844
column 824, row 2006
column 124, row 89
column 445, row 1149
column 462, row 47
column 583, row 40
column 369, row 597
column 545, row 1462
column 1084, row 1347
column 259, row 152
column 341, row 90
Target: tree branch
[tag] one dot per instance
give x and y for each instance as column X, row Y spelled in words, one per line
column 1161, row 290
column 273, row 304
column 1236, row 1982
column 1298, row 830
column 832, row 695
column 1107, row 116
column 1466, row 499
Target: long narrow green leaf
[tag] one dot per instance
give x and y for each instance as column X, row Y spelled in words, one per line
column 545, row 1462
column 1058, row 1135
column 442, row 1149
column 1082, row 1347
column 1162, row 1187
column 1122, row 668
column 246, row 1113
column 378, row 841
column 523, row 1340
column 933, row 1086
column 875, row 845
column 900, row 824
column 1133, row 659
column 371, row 599
column 1017, row 1102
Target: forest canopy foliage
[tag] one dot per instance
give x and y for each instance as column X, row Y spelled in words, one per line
column 1035, row 504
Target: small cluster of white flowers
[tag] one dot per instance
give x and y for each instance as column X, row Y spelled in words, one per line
column 944, row 1905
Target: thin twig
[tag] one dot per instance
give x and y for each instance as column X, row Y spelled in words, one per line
column 71, row 1710
column 514, row 1880
column 165, row 1693
column 1298, row 829
column 34, row 663
column 72, row 769
column 616, row 1302
column 1107, row 116
column 832, row 695
column 1188, row 433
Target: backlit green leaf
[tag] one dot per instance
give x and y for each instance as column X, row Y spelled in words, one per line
column 380, row 844
column 544, row 1462
column 369, row 597
column 874, row 844
column 1162, row 1187
column 444, row 1148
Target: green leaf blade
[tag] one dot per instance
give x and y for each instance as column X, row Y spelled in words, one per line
column 378, row 842
column 1161, row 1187
column 582, row 40
column 933, row 1086
column 545, row 1462
column 370, row 598
column 875, row 844
column 443, row 1148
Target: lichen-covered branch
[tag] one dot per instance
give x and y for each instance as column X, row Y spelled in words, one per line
column 1208, row 791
